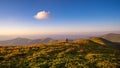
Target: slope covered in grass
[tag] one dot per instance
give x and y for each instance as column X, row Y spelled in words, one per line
column 101, row 41
column 77, row 54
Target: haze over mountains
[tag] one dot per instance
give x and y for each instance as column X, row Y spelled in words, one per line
column 24, row 41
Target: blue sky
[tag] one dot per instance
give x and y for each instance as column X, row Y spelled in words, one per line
column 17, row 17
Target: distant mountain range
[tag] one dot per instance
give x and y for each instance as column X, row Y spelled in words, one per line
column 112, row 37
column 25, row 41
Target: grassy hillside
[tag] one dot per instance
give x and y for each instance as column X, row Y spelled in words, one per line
column 85, row 53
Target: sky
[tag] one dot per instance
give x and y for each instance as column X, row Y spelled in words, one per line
column 43, row 17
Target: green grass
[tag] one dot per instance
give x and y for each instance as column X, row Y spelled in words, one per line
column 77, row 54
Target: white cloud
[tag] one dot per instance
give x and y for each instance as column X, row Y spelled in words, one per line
column 42, row 15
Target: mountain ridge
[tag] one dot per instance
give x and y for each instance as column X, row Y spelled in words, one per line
column 112, row 37
column 106, row 39
column 25, row 41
